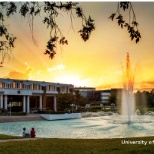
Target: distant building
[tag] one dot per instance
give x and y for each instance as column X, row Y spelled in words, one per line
column 102, row 96
column 98, row 97
column 105, row 96
column 87, row 92
column 24, row 95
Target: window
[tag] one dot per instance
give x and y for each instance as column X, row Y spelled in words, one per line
column 22, row 86
column 38, row 87
column 53, row 88
column 48, row 88
column 18, row 85
column 63, row 89
column 67, row 90
column 6, row 85
column 14, row 85
column 27, row 86
column 58, row 89
column 32, row 86
column 11, row 85
column 16, row 104
column 1, row 84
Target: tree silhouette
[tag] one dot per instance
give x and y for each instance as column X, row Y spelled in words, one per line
column 50, row 11
column 131, row 25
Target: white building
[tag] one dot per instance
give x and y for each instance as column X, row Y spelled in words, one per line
column 25, row 95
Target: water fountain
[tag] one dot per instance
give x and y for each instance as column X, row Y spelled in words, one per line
column 95, row 125
column 98, row 127
column 128, row 105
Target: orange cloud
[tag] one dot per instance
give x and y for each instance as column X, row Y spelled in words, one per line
column 147, row 85
column 19, row 75
column 56, row 67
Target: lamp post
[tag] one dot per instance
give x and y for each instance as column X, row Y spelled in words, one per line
column 72, row 105
column 87, row 106
column 113, row 105
column 101, row 105
column 10, row 105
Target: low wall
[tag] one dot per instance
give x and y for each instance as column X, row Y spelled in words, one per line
column 4, row 119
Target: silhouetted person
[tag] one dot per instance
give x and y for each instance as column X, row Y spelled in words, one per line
column 24, row 134
column 32, row 133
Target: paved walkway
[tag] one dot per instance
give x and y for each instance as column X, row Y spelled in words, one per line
column 20, row 139
column 29, row 117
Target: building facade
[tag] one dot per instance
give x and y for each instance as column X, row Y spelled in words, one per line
column 25, row 95
column 102, row 96
column 87, row 92
column 97, row 97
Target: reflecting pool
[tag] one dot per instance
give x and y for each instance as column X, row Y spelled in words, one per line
column 90, row 127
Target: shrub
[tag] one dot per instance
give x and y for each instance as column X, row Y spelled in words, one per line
column 96, row 107
column 19, row 113
column 49, row 112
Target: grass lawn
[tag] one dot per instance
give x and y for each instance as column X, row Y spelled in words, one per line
column 2, row 136
column 78, row 146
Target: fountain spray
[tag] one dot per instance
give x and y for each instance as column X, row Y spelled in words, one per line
column 128, row 85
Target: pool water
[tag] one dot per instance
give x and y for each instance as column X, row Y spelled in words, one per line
column 84, row 128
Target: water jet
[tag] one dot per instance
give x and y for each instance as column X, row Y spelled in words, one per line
column 128, row 105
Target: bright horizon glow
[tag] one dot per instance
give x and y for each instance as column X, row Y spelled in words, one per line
column 71, row 79
column 95, row 63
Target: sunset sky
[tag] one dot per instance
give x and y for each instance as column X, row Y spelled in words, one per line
column 95, row 63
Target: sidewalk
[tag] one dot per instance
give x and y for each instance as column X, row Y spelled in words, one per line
column 29, row 117
column 20, row 139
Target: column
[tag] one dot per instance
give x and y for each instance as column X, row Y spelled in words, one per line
column 28, row 104
column 5, row 102
column 44, row 98
column 40, row 105
column 1, row 100
column 24, row 103
column 55, row 104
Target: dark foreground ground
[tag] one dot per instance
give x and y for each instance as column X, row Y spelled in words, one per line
column 78, row 146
